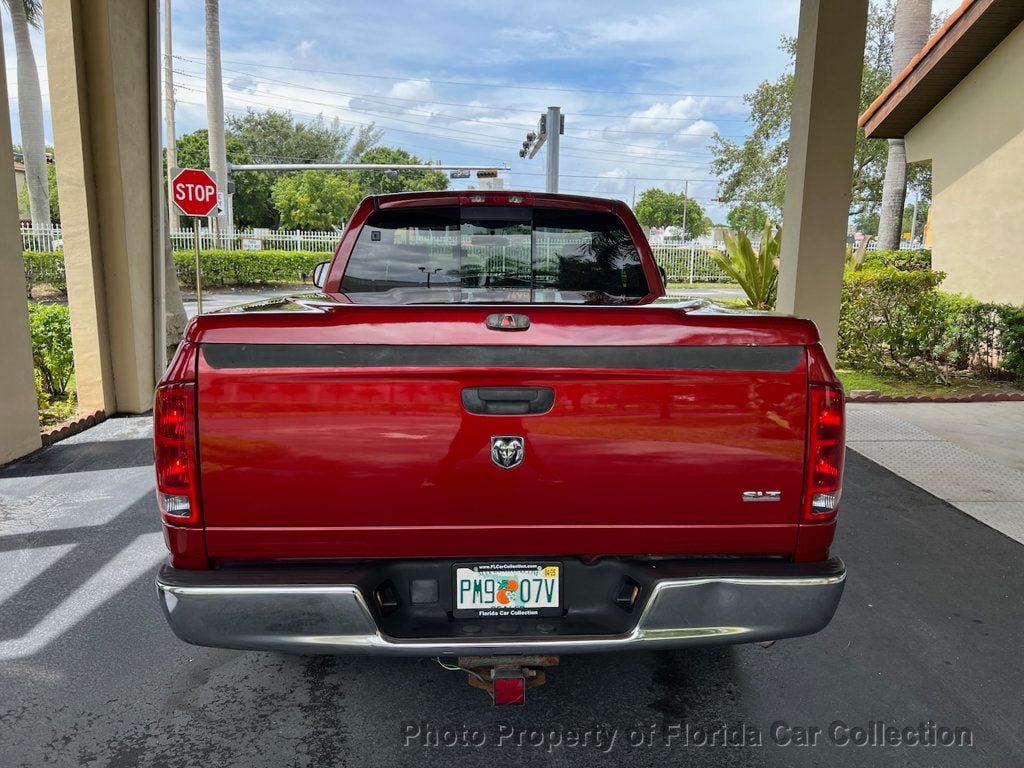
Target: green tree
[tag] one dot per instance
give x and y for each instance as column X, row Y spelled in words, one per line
column 747, row 217
column 867, row 223
column 315, row 200
column 383, row 182
column 754, row 170
column 277, row 137
column 252, row 203
column 658, row 208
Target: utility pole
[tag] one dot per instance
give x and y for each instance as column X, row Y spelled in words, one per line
column 549, row 131
column 172, row 149
column 686, row 200
column 215, row 115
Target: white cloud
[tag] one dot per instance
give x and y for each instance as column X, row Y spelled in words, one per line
column 412, row 89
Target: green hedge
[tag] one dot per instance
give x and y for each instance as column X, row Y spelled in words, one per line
column 222, row 268
column 45, row 268
column 905, row 261
column 898, row 321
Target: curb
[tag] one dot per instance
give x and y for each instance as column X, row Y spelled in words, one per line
column 978, row 397
column 68, row 428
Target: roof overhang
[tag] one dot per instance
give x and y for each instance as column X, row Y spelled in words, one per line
column 970, row 34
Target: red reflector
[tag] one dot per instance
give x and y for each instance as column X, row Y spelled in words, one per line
column 509, row 690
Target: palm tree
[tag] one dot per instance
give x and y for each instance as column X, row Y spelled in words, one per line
column 30, row 109
column 215, row 109
column 910, row 32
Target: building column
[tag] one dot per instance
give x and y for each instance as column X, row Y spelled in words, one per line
column 102, row 85
column 826, row 97
column 19, row 413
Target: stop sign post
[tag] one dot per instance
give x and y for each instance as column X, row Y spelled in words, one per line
column 194, row 192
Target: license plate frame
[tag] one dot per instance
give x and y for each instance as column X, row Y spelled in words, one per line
column 531, row 570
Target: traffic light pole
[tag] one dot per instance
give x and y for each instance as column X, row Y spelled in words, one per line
column 549, row 132
column 554, row 129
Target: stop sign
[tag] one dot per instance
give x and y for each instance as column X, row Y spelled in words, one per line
column 194, row 192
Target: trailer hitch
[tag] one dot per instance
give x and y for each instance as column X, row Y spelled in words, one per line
column 506, row 678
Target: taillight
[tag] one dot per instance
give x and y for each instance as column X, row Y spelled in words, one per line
column 826, row 451
column 174, row 451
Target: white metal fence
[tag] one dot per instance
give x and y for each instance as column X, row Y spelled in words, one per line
column 690, row 262
column 42, row 238
column 258, row 240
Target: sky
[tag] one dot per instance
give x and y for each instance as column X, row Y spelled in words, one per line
column 643, row 86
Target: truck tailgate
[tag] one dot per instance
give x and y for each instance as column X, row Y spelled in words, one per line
column 361, row 442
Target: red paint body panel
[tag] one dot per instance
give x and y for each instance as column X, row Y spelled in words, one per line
column 385, row 462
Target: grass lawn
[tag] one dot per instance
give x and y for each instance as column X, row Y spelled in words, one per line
column 894, row 385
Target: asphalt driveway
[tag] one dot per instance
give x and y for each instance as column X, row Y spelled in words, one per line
column 927, row 639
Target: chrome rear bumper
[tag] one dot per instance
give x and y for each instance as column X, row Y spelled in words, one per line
column 336, row 619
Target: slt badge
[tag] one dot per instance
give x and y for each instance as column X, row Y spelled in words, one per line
column 507, row 451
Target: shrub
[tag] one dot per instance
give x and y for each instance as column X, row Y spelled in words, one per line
column 1011, row 340
column 757, row 271
column 967, row 333
column 905, row 261
column 222, row 268
column 51, row 346
column 888, row 319
column 45, row 268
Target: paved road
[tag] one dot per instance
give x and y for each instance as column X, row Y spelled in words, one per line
column 230, row 297
column 929, row 630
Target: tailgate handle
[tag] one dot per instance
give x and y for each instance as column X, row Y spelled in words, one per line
column 509, row 401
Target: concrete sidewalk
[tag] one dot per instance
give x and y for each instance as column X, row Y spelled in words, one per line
column 968, row 454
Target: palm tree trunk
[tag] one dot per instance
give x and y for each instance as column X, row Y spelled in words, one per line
column 215, row 108
column 30, row 115
column 910, row 33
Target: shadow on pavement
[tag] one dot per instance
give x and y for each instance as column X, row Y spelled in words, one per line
column 65, row 458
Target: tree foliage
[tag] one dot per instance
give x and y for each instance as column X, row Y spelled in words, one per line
column 658, row 208
column 754, row 170
column 383, row 182
column 315, row 200
column 747, row 217
column 274, row 137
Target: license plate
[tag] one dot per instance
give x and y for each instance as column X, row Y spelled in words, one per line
column 499, row 590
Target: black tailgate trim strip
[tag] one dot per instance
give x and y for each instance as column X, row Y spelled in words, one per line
column 708, row 358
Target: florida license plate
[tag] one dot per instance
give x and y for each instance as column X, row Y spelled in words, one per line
column 499, row 590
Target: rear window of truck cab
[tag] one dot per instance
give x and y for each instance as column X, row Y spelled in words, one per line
column 494, row 254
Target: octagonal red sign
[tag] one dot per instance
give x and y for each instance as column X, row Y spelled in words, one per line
column 194, row 192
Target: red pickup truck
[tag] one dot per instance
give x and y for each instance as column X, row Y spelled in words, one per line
column 489, row 438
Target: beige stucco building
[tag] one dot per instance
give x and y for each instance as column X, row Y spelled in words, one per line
column 960, row 104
